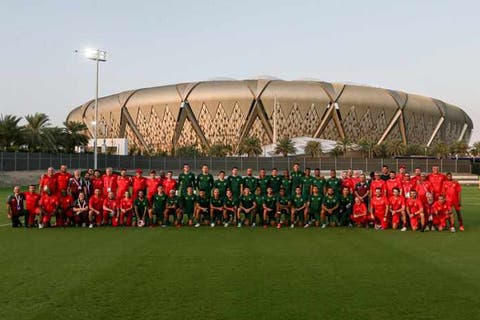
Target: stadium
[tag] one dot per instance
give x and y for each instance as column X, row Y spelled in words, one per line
column 225, row 112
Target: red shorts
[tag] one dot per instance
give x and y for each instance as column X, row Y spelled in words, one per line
column 456, row 206
column 360, row 220
column 396, row 218
column 415, row 221
column 440, row 220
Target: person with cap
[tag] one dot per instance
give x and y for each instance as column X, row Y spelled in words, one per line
column 152, row 185
column 139, row 183
column 124, row 182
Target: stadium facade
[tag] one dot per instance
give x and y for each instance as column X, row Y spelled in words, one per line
column 225, row 112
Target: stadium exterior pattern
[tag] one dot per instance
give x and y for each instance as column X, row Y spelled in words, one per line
column 211, row 112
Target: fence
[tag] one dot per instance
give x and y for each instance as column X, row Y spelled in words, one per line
column 20, row 161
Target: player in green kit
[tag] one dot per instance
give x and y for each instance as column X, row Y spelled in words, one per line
column 296, row 176
column 234, row 183
column 319, row 181
column 140, row 208
column 221, row 184
column 275, row 181
column 230, row 207
column 263, row 181
column 202, row 208
column 334, row 182
column 173, row 209
column 246, row 206
column 299, row 208
column 159, row 203
column 187, row 205
column 329, row 208
column 205, row 181
column 216, row 208
column 345, row 207
column 307, row 182
column 315, row 207
column 286, row 182
column 283, row 207
column 185, row 179
column 249, row 181
column 270, row 214
column 258, row 212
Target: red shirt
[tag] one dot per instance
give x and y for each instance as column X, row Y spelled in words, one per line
column 452, row 190
column 407, row 186
column 96, row 203
column 109, row 184
column 437, row 179
column 139, row 183
column 377, row 184
column 169, row 185
column 359, row 209
column 414, row 205
column 97, row 183
column 416, row 179
column 31, row 201
column 50, row 182
column 441, row 209
column 390, row 184
column 16, row 202
column 110, row 204
column 126, row 203
column 396, row 203
column 152, row 185
column 66, row 202
column 62, row 180
column 379, row 205
column 349, row 183
column 123, row 185
column 49, row 203
column 423, row 188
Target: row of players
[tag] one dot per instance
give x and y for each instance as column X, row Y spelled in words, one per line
column 387, row 207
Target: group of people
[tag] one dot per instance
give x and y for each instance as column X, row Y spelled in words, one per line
column 296, row 198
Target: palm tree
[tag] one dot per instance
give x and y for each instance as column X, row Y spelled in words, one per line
column 34, row 131
column 75, row 135
column 336, row 152
column 345, row 145
column 366, row 147
column 413, row 150
column 475, row 151
column 251, row 146
column 219, row 150
column 395, row 148
column 10, row 131
column 380, row 151
column 459, row 148
column 285, row 146
column 313, row 149
column 190, row 151
column 440, row 150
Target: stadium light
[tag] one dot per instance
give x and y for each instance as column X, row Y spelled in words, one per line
column 98, row 56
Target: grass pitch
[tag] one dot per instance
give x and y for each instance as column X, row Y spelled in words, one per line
column 204, row 273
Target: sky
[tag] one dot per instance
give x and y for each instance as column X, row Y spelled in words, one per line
column 425, row 47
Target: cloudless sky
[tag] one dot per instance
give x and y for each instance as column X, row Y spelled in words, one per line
column 427, row 47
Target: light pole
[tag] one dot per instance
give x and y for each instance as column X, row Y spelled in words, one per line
column 98, row 56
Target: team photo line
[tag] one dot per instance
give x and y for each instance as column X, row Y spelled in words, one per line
column 381, row 200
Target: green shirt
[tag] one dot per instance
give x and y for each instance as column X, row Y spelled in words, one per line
column 247, row 201
column 330, row 201
column 270, row 201
column 250, row 182
column 287, row 185
column 234, row 183
column 315, row 202
column 188, row 203
column 205, row 182
column 307, row 182
column 320, row 183
column 140, row 205
column 275, row 182
column 335, row 183
column 298, row 201
column 230, row 203
column 283, row 200
column 296, row 179
column 221, row 185
column 173, row 201
column 346, row 202
column 159, row 201
column 203, row 202
column 216, row 202
column 185, row 180
column 263, row 183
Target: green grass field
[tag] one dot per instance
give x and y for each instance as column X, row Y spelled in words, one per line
column 235, row 273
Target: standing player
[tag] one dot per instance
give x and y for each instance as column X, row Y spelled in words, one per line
column 334, row 183
column 109, row 182
column 169, row 183
column 76, row 184
column 63, row 178
column 152, row 185
column 319, row 181
column 345, row 207
column 221, row 184
column 396, row 205
column 159, row 203
column 249, row 181
column 417, row 175
column 234, row 183
column 139, row 183
column 407, row 185
column 246, row 206
column 329, row 208
column 263, row 181
column 376, row 183
column 362, row 190
column 48, row 207
column 48, row 180
column 423, row 187
column 275, row 181
column 97, row 181
column 307, row 182
column 80, row 210
column 15, row 208
column 299, row 211
column 453, row 191
column 414, row 207
column 230, row 208
column 392, row 183
column 436, row 179
column 286, row 182
column 315, row 206
column 31, row 204
column 379, row 209
column 185, row 179
column 205, row 181
column 216, row 208
column 124, row 182
column 95, row 203
column 296, row 176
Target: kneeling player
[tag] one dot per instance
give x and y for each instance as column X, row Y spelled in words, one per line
column 442, row 211
column 246, row 206
column 65, row 212
column 140, row 208
column 230, row 208
column 414, row 207
column 299, row 208
column 49, row 206
column 202, row 208
column 187, row 205
column 216, row 208
column 80, row 210
column 173, row 209
column 396, row 205
column 110, row 210
column 329, row 208
column 345, row 207
column 126, row 210
column 283, row 207
column 159, row 201
column 379, row 205
column 360, row 215
column 269, row 206
column 96, row 207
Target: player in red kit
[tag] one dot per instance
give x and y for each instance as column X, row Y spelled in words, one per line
column 397, row 209
column 139, row 183
column 402, row 170
column 360, row 215
column 126, row 210
column 110, row 210
column 347, row 181
column 48, row 180
column 423, row 187
column 414, row 207
column 379, row 208
column 109, row 182
column 96, row 207
column 152, row 185
column 31, row 204
column 417, row 176
column 436, row 179
column 48, row 205
column 65, row 214
column 63, row 178
column 452, row 191
column 442, row 211
column 377, row 182
column 169, row 183
column 97, row 181
column 123, row 184
column 407, row 185
column 392, row 183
